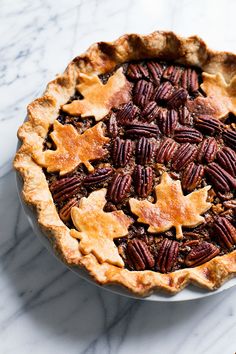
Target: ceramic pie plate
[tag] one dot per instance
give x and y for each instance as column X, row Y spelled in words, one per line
column 189, row 293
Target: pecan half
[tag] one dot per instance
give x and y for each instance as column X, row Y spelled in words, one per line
column 64, row 212
column 143, row 92
column 144, row 151
column 166, row 150
column 185, row 154
column 112, row 127
column 190, row 80
column 229, row 137
column 140, row 129
column 99, row 176
column 172, row 73
column 220, row 178
column 188, row 135
column 184, row 115
column 167, row 122
column 155, row 70
column 207, row 124
column 167, row 255
column 163, row 92
column 178, row 98
column 143, row 178
column 201, row 253
column 139, row 255
column 192, row 176
column 207, row 150
column 227, row 159
column 230, row 204
column 150, row 111
column 127, row 113
column 137, row 71
column 119, row 188
column 65, row 188
column 225, row 232
column 121, row 152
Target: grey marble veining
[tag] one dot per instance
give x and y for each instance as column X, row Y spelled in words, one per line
column 45, row 308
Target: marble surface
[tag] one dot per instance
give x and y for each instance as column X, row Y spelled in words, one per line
column 44, row 308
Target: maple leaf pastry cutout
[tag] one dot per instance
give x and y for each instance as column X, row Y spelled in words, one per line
column 221, row 97
column 99, row 98
column 74, row 148
column 97, row 229
column 172, row 207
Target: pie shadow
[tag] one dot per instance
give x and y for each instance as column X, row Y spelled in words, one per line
column 62, row 303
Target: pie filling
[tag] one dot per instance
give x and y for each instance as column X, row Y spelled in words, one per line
column 165, row 166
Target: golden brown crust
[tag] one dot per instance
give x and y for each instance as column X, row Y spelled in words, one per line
column 99, row 98
column 72, row 148
column 101, row 58
column 97, row 229
column 166, row 212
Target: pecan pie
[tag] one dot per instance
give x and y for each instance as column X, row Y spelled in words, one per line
column 129, row 159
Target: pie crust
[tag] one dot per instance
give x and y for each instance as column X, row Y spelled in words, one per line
column 101, row 58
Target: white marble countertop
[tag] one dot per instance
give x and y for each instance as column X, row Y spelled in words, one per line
column 44, row 308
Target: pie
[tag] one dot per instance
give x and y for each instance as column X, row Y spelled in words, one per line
column 129, row 161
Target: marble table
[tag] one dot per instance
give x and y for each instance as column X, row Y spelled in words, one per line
column 45, row 308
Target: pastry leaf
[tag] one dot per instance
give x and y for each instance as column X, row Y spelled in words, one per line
column 99, row 98
column 74, row 148
column 172, row 208
column 97, row 228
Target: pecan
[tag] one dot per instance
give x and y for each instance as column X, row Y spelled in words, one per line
column 64, row 212
column 172, row 73
column 137, row 71
column 184, row 115
column 65, row 188
column 227, row 159
column 150, row 111
column 112, row 126
column 119, row 188
column 226, row 195
column 166, row 150
column 163, row 92
column 167, row 255
column 139, row 255
column 189, row 244
column 121, row 152
column 188, row 135
column 207, row 124
column 143, row 92
column 110, row 207
column 185, row 154
column 140, row 129
column 201, row 253
column 127, row 113
column 192, row 235
column 190, row 80
column 225, row 232
column 217, row 208
column 99, row 176
column 192, row 176
column 155, row 70
column 220, row 178
column 207, row 150
column 168, row 121
column 230, row 204
column 229, row 137
column 144, row 151
column 143, row 178
column 178, row 98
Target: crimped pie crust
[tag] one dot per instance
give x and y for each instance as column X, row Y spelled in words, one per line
column 42, row 112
